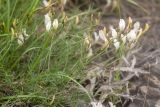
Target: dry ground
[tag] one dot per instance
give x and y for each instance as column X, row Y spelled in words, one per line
column 146, row 87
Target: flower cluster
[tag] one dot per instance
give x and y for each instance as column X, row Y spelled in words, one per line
column 47, row 19
column 96, row 104
column 22, row 37
column 126, row 35
column 99, row 104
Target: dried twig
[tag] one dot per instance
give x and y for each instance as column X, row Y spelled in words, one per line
column 132, row 70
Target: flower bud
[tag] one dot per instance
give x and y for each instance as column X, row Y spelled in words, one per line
column 55, row 24
column 96, row 36
column 46, row 3
column 116, row 43
column 111, row 104
column 145, row 28
column 122, row 25
column 102, row 36
column 136, row 26
column 131, row 36
column 90, row 53
column 130, row 21
column 114, row 33
column 123, row 37
column 64, row 2
column 47, row 21
column 96, row 104
column 20, row 39
column 77, row 20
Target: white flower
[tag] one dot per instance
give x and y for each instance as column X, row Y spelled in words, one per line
column 55, row 24
column 102, row 35
column 87, row 40
column 64, row 2
column 47, row 21
column 45, row 2
column 136, row 26
column 122, row 24
column 96, row 36
column 24, row 33
column 96, row 104
column 131, row 36
column 77, row 20
column 123, row 37
column 20, row 39
column 113, row 33
column 111, row 104
column 109, row 3
column 90, row 53
column 116, row 44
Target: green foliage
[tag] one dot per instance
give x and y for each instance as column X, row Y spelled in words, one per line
column 47, row 63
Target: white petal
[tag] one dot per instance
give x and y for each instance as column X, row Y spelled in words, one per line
column 122, row 24
column 20, row 39
column 64, row 2
column 123, row 37
column 47, row 22
column 102, row 35
column 96, row 104
column 115, row 40
column 55, row 24
column 25, row 33
column 109, row 3
column 136, row 26
column 96, row 37
column 24, row 30
column 45, row 2
column 111, row 104
column 90, row 53
column 114, row 33
column 20, row 42
column 116, row 44
column 131, row 36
